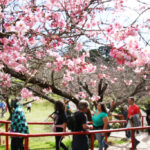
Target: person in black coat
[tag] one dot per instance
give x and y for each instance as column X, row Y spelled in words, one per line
column 60, row 123
column 148, row 117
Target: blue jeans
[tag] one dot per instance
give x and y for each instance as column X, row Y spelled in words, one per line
column 101, row 142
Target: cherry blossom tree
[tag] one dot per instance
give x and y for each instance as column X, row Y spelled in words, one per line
column 42, row 43
column 123, row 81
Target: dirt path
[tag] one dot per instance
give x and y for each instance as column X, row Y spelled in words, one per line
column 142, row 137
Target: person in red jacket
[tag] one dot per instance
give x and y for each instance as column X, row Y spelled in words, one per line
column 134, row 115
column 133, row 109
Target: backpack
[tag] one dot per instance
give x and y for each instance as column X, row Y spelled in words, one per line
column 71, row 122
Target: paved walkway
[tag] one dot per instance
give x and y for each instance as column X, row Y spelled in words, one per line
column 143, row 145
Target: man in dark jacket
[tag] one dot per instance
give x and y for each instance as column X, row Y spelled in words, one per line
column 80, row 142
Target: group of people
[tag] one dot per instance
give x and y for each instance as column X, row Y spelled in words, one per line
column 100, row 120
column 80, row 142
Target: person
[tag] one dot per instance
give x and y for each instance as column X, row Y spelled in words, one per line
column 80, row 142
column 60, row 123
column 67, row 108
column 148, row 117
column 125, row 117
column 100, row 122
column 134, row 115
column 3, row 106
column 89, row 115
column 18, row 124
column 29, row 105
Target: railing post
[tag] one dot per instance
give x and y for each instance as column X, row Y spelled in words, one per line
column 7, row 137
column 92, row 141
column 121, row 118
column 142, row 121
column 106, row 138
column 26, row 143
column 132, row 138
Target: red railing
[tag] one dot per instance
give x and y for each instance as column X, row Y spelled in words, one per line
column 26, row 136
column 121, row 118
column 50, row 123
column 7, row 128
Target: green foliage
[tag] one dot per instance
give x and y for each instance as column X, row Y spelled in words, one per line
column 105, row 50
column 93, row 54
column 102, row 51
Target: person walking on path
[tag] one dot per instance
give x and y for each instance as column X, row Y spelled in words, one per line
column 60, row 123
column 100, row 122
column 134, row 115
column 29, row 105
column 148, row 117
column 3, row 106
column 18, row 125
column 67, row 108
column 125, row 117
column 80, row 142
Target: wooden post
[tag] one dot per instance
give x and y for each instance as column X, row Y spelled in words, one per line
column 7, row 137
column 92, row 141
column 132, row 139
column 26, row 143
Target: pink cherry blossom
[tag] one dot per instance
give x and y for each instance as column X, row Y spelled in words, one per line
column 48, row 65
column 78, row 47
column 5, row 80
column 128, row 82
column 36, row 98
column 25, row 93
column 100, row 76
column 90, row 68
column 139, row 70
column 94, row 98
column 68, row 76
column 82, row 95
column 120, row 68
column 93, row 83
column 103, row 67
column 1, row 66
column 47, row 91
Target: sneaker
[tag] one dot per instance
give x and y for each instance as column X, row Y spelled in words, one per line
column 137, row 132
column 137, row 142
column 106, row 147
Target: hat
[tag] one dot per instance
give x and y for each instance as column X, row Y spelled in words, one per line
column 125, row 107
